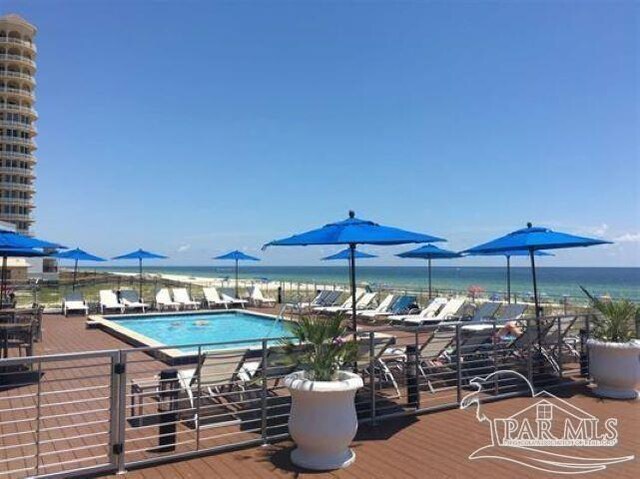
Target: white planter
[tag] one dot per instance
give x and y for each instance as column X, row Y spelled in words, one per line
column 615, row 368
column 323, row 420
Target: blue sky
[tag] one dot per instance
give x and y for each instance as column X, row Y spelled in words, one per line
column 191, row 128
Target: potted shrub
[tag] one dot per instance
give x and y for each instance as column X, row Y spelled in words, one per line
column 323, row 419
column 614, row 350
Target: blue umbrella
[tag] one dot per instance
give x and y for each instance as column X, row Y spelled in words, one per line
column 429, row 252
column 346, row 254
column 77, row 255
column 508, row 255
column 532, row 239
column 8, row 252
column 237, row 256
column 354, row 231
column 140, row 254
column 11, row 239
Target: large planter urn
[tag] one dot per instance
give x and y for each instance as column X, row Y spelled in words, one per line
column 323, row 420
column 615, row 368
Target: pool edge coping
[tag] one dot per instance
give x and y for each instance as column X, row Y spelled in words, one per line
column 156, row 348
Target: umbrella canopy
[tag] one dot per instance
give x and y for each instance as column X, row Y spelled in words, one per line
column 354, row 231
column 532, row 239
column 346, row 254
column 11, row 242
column 8, row 252
column 11, row 239
column 429, row 252
column 77, row 255
column 508, row 255
column 140, row 254
column 237, row 256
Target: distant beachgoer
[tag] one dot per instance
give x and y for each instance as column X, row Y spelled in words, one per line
column 510, row 330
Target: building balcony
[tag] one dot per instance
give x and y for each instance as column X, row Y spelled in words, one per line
column 26, row 217
column 10, row 57
column 19, row 108
column 18, row 92
column 18, row 41
column 18, row 141
column 18, row 124
column 10, row 74
column 11, row 170
column 14, row 186
column 17, row 201
column 18, row 156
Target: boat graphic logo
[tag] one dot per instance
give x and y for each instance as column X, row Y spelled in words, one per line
column 541, row 436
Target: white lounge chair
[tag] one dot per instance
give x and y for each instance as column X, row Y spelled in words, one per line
column 109, row 301
column 218, row 374
column 235, row 301
column 430, row 311
column 346, row 303
column 181, row 296
column 74, row 302
column 212, row 298
column 362, row 302
column 449, row 311
column 130, row 299
column 381, row 344
column 382, row 308
column 164, row 301
column 258, row 299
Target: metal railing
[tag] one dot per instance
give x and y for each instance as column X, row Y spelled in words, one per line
column 86, row 413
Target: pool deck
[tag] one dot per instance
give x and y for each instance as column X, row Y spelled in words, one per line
column 435, row 445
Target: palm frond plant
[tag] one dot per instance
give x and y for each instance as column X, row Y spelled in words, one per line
column 616, row 321
column 318, row 347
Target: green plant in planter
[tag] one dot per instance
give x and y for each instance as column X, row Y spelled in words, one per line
column 616, row 322
column 319, row 348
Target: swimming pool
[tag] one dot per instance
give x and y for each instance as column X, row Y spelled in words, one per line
column 243, row 328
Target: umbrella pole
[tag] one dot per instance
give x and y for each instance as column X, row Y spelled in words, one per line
column 75, row 273
column 508, row 279
column 535, row 284
column 352, row 264
column 237, row 278
column 429, row 260
column 140, row 268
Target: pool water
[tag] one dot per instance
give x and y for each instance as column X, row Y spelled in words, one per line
column 248, row 329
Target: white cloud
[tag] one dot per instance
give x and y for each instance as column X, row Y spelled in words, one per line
column 599, row 231
column 628, row 238
column 183, row 248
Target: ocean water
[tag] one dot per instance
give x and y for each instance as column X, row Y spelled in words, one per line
column 555, row 282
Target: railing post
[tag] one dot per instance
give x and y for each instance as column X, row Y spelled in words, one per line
column 584, row 350
column 118, row 410
column 263, row 395
column 529, row 355
column 198, row 396
column 458, row 366
column 372, row 378
column 411, row 376
column 559, row 348
column 166, row 407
